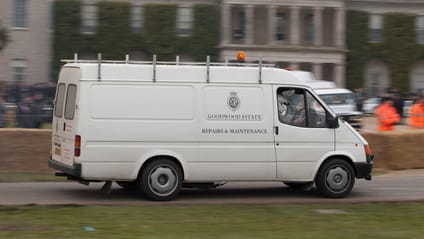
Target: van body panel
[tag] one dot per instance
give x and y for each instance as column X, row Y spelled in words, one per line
column 171, row 102
column 351, row 142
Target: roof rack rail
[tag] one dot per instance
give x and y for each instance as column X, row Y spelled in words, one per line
column 177, row 62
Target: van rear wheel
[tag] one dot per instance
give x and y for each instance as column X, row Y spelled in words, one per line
column 335, row 179
column 161, row 180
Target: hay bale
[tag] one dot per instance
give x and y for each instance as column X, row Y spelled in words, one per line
column 29, row 149
column 25, row 150
column 377, row 143
column 397, row 149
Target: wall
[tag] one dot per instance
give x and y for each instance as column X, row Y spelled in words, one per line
column 32, row 43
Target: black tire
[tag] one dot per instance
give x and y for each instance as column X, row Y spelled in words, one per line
column 335, row 178
column 161, row 180
column 127, row 185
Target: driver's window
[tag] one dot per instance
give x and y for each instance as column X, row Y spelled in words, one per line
column 291, row 106
column 298, row 107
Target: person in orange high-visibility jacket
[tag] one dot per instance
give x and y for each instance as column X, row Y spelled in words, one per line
column 416, row 114
column 386, row 115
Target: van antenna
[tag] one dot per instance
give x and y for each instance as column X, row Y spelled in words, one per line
column 177, row 60
column 208, row 63
column 76, row 57
column 99, row 64
column 260, row 71
column 127, row 58
column 154, row 68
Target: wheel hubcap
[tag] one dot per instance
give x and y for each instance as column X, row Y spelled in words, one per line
column 163, row 180
column 337, row 179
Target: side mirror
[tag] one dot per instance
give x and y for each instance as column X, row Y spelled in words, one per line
column 332, row 122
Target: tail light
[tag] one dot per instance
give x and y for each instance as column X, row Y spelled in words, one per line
column 367, row 150
column 77, row 146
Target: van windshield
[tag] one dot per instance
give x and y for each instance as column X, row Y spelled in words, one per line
column 338, row 99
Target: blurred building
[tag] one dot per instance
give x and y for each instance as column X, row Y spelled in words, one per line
column 303, row 35
column 377, row 72
column 27, row 56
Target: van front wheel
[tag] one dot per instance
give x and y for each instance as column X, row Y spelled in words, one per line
column 335, row 178
column 161, row 180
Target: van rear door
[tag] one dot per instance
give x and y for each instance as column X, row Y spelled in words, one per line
column 64, row 125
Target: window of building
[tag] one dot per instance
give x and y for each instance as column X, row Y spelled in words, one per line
column 20, row 13
column 89, row 19
column 298, row 107
column 184, row 21
column 281, row 27
column 375, row 28
column 309, row 28
column 420, row 29
column 137, row 23
column 19, row 66
column 240, row 29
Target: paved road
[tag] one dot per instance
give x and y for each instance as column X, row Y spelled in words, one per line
column 397, row 186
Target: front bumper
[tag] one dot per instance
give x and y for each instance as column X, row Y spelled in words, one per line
column 71, row 171
column 363, row 170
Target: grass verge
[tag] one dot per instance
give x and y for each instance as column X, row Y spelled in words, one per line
column 394, row 220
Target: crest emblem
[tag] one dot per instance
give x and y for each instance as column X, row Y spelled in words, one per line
column 233, row 101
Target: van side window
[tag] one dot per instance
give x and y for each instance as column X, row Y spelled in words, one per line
column 60, row 97
column 70, row 102
column 291, row 106
column 298, row 107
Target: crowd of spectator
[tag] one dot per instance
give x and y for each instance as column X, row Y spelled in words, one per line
column 394, row 109
column 27, row 106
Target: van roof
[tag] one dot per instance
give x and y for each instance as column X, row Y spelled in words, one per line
column 184, row 73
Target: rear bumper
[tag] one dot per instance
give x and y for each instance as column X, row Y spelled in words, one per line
column 73, row 171
column 363, row 170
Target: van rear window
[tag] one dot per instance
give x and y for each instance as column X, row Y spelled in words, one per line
column 60, row 97
column 70, row 102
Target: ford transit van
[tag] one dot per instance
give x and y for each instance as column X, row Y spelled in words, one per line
column 161, row 126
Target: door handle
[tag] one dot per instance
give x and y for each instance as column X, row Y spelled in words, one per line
column 64, row 126
column 276, row 130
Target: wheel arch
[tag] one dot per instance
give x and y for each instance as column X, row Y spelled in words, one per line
column 148, row 158
column 332, row 157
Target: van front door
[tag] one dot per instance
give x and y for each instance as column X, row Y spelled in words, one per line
column 302, row 137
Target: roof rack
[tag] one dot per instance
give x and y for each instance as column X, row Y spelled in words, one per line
column 177, row 62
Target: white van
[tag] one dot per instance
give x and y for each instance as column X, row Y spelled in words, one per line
column 159, row 127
